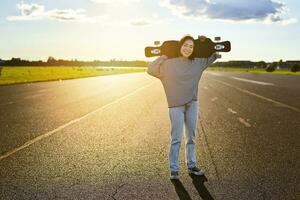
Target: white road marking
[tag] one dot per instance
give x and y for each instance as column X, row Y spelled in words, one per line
column 244, row 122
column 41, row 90
column 33, row 96
column 252, row 81
column 30, row 142
column 8, row 103
column 213, row 73
column 232, row 111
column 277, row 103
column 214, row 99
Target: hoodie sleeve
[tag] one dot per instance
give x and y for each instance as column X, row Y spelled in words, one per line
column 205, row 62
column 210, row 60
column 154, row 68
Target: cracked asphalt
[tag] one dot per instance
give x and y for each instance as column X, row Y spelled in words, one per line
column 108, row 137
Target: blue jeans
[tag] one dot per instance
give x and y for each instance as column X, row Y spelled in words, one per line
column 183, row 115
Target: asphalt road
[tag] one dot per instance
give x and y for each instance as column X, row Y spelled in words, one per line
column 108, row 137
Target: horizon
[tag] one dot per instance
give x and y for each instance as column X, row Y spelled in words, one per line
column 264, row 30
column 123, row 60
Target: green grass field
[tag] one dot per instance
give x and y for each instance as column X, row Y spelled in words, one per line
column 261, row 71
column 12, row 75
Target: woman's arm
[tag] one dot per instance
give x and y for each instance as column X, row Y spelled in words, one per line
column 211, row 59
column 154, row 67
column 205, row 62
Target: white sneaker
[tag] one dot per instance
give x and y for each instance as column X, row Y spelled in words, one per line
column 174, row 175
column 196, row 171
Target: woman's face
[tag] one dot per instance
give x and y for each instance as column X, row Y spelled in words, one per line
column 187, row 48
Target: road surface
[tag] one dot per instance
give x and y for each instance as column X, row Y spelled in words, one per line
column 107, row 138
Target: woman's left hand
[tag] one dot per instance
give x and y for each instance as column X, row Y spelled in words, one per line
column 202, row 38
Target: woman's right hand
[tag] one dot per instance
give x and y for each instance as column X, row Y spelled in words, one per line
column 161, row 59
column 164, row 57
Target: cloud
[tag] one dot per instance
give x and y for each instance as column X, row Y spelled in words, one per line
column 29, row 12
column 29, row 9
column 289, row 21
column 140, row 22
column 38, row 12
column 155, row 19
column 268, row 11
column 115, row 1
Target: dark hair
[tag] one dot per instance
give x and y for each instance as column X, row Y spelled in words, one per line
column 181, row 41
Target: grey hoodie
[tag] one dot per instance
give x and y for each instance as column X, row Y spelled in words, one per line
column 180, row 77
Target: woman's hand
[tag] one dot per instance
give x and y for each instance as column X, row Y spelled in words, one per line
column 164, row 57
column 202, row 38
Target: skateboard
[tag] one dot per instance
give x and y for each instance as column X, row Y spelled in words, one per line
column 202, row 49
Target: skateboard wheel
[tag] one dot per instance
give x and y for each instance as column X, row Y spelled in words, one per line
column 155, row 51
column 219, row 47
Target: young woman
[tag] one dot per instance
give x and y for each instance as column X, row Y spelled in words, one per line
column 180, row 78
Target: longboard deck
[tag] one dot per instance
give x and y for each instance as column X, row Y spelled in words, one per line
column 204, row 49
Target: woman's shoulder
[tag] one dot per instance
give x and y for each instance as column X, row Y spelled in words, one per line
column 199, row 60
column 172, row 61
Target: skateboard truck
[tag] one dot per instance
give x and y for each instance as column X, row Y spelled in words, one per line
column 156, row 50
column 156, row 43
column 218, row 55
column 217, row 39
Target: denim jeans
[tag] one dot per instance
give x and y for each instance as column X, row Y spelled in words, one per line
column 179, row 116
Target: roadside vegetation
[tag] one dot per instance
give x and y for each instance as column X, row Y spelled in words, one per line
column 260, row 67
column 12, row 75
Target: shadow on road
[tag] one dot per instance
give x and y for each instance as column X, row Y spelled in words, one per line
column 180, row 190
column 198, row 182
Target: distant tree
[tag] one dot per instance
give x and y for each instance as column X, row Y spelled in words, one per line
column 295, row 68
column 280, row 63
column 51, row 60
column 262, row 64
column 16, row 62
column 275, row 64
column 271, row 67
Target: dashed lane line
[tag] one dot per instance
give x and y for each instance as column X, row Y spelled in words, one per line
column 251, row 81
column 244, row 122
column 214, row 99
column 232, row 111
column 259, row 96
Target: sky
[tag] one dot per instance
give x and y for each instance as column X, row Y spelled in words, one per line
column 258, row 30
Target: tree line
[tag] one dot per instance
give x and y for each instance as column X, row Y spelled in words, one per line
column 51, row 61
column 292, row 65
